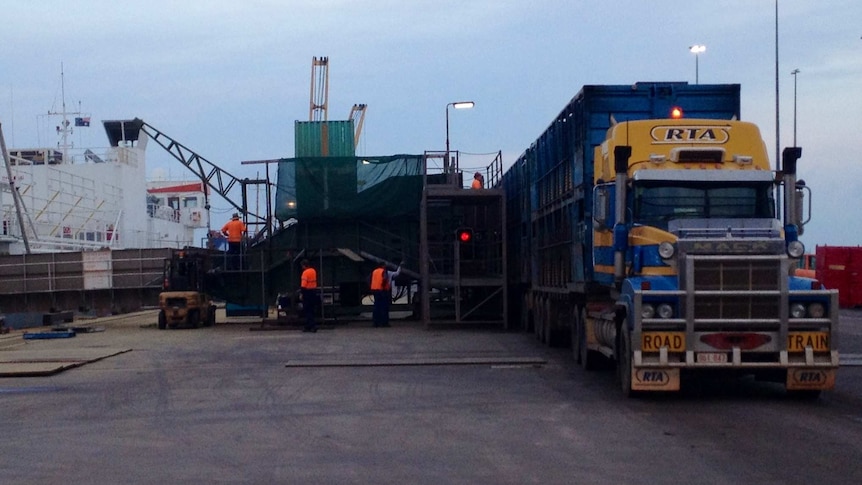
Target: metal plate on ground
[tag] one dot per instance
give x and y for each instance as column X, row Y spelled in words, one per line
column 366, row 361
column 34, row 363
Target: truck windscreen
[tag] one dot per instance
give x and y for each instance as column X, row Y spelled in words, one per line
column 657, row 202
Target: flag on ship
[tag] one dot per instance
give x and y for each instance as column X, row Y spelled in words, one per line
column 82, row 121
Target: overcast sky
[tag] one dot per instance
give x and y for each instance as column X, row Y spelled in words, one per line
column 228, row 79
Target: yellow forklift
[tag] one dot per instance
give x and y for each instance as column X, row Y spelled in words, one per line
column 185, row 299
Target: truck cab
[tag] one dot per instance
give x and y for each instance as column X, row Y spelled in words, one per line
column 806, row 266
column 687, row 237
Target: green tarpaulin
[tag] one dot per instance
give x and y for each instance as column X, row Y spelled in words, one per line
column 349, row 187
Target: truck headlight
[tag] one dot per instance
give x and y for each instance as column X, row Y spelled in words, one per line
column 647, row 311
column 816, row 310
column 795, row 249
column 665, row 311
column 797, row 310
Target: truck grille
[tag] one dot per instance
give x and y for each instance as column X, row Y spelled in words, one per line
column 735, row 288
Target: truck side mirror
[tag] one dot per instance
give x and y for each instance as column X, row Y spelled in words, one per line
column 601, row 206
column 799, row 206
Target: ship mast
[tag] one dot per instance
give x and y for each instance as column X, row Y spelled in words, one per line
column 65, row 128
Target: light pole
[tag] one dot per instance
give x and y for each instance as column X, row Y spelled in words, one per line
column 456, row 105
column 696, row 50
column 794, row 73
column 777, row 107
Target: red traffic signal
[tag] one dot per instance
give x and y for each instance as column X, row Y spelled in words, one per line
column 464, row 234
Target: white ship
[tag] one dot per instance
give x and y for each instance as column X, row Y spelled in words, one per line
column 67, row 198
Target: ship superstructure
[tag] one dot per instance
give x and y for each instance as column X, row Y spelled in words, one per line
column 74, row 199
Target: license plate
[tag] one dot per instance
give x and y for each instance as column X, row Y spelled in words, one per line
column 654, row 341
column 711, row 358
column 797, row 341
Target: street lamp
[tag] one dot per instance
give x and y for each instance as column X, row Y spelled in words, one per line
column 696, row 50
column 794, row 73
column 456, row 105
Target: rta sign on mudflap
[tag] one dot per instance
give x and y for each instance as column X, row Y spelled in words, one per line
column 810, row 379
column 656, row 379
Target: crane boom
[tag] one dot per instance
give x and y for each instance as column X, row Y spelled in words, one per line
column 357, row 115
column 219, row 180
column 317, row 110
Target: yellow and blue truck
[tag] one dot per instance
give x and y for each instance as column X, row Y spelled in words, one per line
column 645, row 227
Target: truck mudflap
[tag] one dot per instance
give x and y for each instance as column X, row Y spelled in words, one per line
column 810, row 379
column 659, row 379
column 655, row 379
column 659, row 373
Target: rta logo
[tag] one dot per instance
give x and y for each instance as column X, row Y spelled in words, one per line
column 809, row 377
column 690, row 134
column 652, row 377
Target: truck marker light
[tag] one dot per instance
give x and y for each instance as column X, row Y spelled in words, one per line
column 795, row 249
column 666, row 250
column 676, row 112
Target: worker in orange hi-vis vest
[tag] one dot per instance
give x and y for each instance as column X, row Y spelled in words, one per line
column 308, row 294
column 381, row 288
column 478, row 181
column 234, row 230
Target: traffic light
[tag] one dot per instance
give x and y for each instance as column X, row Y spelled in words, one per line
column 464, row 235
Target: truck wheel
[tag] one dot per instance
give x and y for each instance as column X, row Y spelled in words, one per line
column 163, row 321
column 624, row 362
column 588, row 358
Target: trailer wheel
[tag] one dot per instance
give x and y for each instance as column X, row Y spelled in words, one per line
column 547, row 323
column 163, row 321
column 577, row 323
column 556, row 334
column 526, row 315
column 539, row 319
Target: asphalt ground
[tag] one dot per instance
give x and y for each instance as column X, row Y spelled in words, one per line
column 238, row 403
